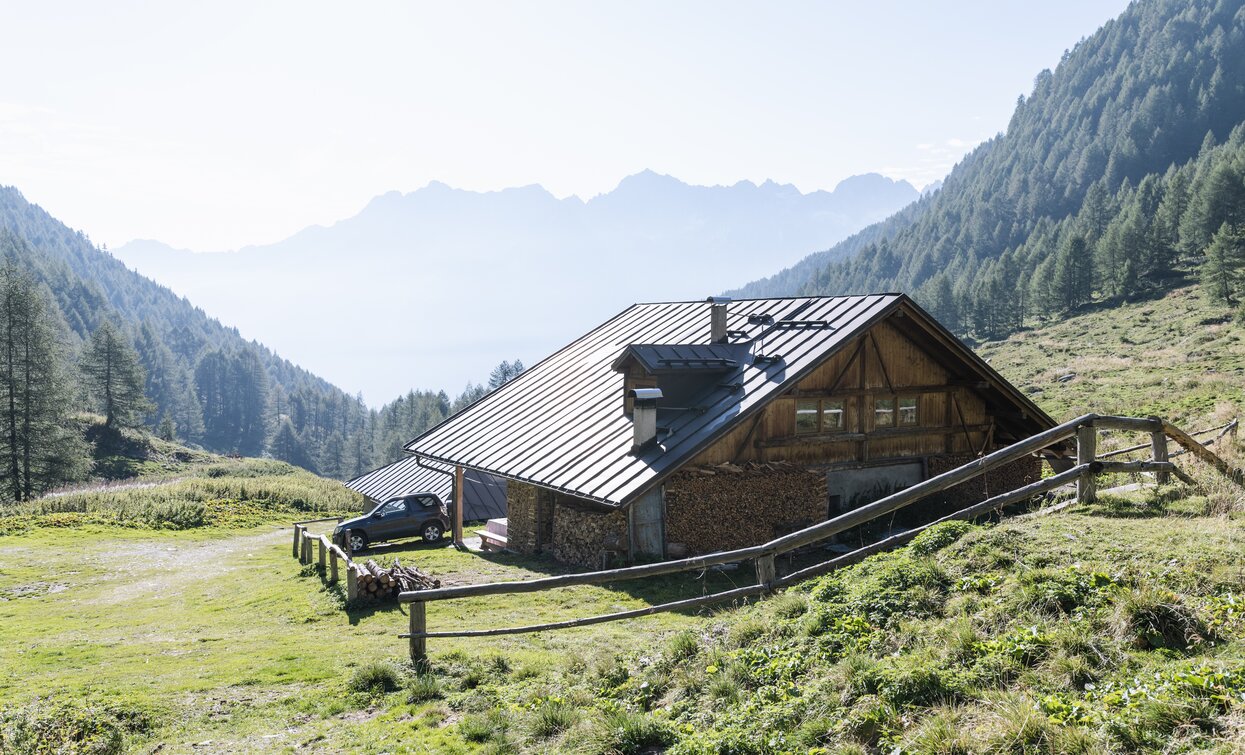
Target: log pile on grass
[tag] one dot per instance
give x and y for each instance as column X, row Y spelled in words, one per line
column 379, row 583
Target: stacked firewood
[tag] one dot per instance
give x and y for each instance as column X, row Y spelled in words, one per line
column 379, row 583
column 726, row 506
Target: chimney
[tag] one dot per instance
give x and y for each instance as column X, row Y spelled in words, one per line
column 717, row 318
column 644, row 417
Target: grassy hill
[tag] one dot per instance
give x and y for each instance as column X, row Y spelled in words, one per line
column 1176, row 355
column 1117, row 627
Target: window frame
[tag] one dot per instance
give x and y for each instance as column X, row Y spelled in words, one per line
column 915, row 410
column 821, row 425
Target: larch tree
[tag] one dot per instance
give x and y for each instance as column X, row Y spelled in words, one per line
column 39, row 448
column 114, row 377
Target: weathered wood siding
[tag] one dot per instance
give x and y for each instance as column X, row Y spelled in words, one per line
column 881, row 363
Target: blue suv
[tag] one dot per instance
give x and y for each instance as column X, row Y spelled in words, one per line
column 413, row 515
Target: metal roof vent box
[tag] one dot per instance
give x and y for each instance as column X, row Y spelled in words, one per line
column 644, row 417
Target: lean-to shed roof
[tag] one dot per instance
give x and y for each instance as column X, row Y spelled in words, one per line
column 484, row 496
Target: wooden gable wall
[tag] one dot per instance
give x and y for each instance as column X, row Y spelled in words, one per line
column 880, row 363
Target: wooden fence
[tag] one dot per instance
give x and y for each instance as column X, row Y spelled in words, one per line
column 1084, row 473
column 328, row 557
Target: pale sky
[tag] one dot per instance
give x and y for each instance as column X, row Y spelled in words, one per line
column 212, row 126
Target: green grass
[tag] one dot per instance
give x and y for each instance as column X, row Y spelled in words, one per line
column 1178, row 357
column 174, row 618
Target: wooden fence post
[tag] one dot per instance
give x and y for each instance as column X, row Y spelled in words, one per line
column 298, row 538
column 1086, row 450
column 307, row 547
column 1158, row 450
column 352, row 582
column 323, row 554
column 767, row 571
column 419, row 625
column 332, row 566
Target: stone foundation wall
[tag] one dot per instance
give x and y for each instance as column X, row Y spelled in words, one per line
column 719, row 508
column 521, row 517
column 580, row 534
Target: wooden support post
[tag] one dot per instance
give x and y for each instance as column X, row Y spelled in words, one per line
column 458, row 507
column 352, row 582
column 1086, row 448
column 324, row 567
column 767, row 572
column 419, row 625
column 332, row 566
column 304, row 549
column 298, row 538
column 1158, row 451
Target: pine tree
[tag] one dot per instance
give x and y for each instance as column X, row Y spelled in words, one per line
column 1223, row 272
column 39, row 447
column 114, row 377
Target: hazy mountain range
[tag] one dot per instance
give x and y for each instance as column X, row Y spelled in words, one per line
column 433, row 288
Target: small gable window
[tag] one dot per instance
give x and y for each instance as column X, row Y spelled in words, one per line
column 884, row 412
column 908, row 415
column 807, row 416
column 818, row 416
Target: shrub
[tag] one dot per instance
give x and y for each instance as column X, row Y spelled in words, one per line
column 550, row 717
column 745, row 632
column 483, row 727
column 1151, row 618
column 81, row 727
column 683, row 645
column 633, row 733
column 939, row 536
column 788, row 605
column 422, row 688
column 377, row 678
column 1056, row 591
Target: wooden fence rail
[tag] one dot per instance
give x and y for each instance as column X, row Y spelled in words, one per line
column 1084, row 473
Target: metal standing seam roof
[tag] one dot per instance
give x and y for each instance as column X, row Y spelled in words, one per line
column 484, row 496
column 561, row 425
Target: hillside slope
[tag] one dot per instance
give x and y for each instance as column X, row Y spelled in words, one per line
column 173, row 338
column 1106, row 177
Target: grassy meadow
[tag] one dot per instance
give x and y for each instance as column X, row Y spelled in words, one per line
column 166, row 614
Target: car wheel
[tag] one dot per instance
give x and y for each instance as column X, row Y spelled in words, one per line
column 358, row 541
column 432, row 532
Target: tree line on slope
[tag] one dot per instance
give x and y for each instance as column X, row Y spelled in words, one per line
column 1113, row 176
column 202, row 382
column 44, row 386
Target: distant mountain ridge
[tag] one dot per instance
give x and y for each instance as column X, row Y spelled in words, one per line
column 505, row 273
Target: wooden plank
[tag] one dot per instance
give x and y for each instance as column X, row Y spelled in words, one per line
column 767, row 571
column 1202, row 452
column 1086, row 445
column 1158, row 452
column 741, row 592
column 971, row 512
column 458, row 506
column 883, row 434
column 696, row 563
column 418, row 633
column 877, row 353
column 352, row 582
column 798, row 539
column 318, row 521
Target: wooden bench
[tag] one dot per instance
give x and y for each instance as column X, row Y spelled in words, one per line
column 491, row 541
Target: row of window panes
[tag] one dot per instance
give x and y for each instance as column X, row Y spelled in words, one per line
column 827, row 416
